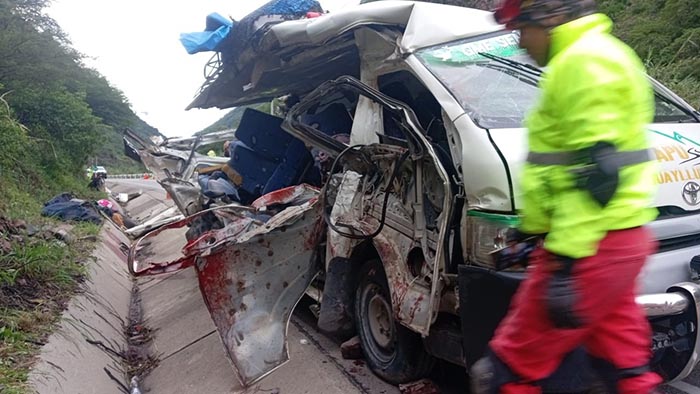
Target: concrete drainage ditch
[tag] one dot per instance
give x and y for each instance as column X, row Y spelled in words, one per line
column 103, row 343
column 155, row 335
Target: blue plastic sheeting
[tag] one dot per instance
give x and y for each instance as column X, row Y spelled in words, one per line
column 217, row 29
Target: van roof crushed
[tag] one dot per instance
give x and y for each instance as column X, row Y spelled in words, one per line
column 288, row 57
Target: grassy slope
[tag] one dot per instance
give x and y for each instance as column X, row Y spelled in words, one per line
column 38, row 273
column 37, row 279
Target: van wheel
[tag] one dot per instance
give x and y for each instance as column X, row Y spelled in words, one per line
column 392, row 351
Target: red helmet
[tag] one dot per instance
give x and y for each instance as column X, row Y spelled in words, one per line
column 546, row 13
column 508, row 13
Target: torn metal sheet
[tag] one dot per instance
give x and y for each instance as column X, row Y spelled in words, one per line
column 175, row 245
column 187, row 197
column 253, row 265
column 175, row 158
column 169, row 215
column 294, row 195
column 161, row 251
column 345, row 208
column 251, row 286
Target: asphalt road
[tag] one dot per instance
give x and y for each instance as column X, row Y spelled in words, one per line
column 322, row 349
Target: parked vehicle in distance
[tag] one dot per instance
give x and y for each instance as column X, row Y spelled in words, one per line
column 101, row 171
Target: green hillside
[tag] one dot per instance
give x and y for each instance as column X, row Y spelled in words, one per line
column 56, row 115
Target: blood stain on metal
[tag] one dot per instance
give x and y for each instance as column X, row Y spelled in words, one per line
column 286, row 195
column 270, row 252
column 312, row 239
column 416, row 306
column 285, row 284
column 214, row 282
column 258, row 263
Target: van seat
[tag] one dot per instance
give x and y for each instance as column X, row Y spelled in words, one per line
column 266, row 157
column 333, row 120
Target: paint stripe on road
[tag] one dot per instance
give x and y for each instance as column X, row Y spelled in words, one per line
column 683, row 386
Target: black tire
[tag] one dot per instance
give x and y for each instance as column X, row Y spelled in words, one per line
column 392, row 351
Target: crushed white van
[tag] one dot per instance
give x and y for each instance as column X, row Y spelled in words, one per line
column 394, row 229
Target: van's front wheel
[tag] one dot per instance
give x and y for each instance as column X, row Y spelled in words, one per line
column 392, row 351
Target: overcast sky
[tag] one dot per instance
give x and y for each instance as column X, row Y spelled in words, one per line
column 135, row 45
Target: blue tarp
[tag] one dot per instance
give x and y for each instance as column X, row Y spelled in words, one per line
column 286, row 7
column 217, row 28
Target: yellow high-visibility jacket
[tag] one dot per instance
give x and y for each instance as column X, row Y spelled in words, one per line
column 594, row 89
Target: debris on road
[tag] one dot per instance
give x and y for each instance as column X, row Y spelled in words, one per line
column 423, row 386
column 351, row 349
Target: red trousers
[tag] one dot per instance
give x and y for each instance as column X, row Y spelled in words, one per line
column 616, row 328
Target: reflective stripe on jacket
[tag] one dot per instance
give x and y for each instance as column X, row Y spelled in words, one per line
column 594, row 89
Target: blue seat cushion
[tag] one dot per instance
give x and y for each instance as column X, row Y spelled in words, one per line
column 254, row 168
column 296, row 161
column 334, row 119
column 262, row 133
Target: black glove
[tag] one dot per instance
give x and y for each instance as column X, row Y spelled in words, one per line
column 519, row 246
column 561, row 297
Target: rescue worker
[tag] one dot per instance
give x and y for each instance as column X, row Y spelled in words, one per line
column 587, row 188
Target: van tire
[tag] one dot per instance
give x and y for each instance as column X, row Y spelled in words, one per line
column 392, row 351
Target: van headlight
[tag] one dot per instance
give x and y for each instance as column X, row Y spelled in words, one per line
column 486, row 233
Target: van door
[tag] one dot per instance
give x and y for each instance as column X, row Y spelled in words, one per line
column 253, row 265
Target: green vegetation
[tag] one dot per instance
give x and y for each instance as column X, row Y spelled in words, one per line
column 69, row 114
column 666, row 35
column 56, row 117
column 38, row 275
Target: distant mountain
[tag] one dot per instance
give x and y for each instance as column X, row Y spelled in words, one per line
column 111, row 153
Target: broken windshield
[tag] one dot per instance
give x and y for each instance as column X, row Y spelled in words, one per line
column 494, row 93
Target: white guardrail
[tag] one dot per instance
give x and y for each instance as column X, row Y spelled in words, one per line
column 132, row 176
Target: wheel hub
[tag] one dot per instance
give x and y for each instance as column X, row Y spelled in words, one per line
column 380, row 321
